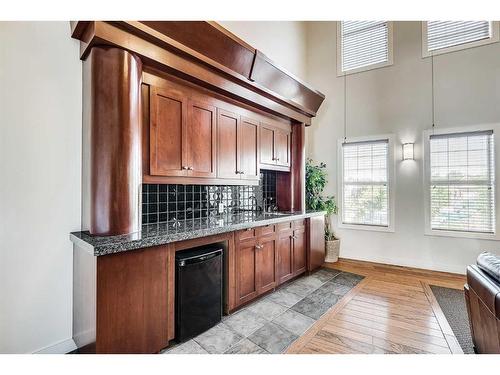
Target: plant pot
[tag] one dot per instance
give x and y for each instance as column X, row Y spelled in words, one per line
column 332, row 251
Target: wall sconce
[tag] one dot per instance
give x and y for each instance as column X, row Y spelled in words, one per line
column 408, row 151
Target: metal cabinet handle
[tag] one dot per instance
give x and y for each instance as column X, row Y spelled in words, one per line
column 190, row 168
column 184, row 167
column 259, row 247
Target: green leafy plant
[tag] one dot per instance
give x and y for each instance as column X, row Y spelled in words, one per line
column 316, row 179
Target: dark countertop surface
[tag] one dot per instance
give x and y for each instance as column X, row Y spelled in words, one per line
column 164, row 233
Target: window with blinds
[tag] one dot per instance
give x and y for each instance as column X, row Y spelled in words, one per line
column 365, row 190
column 446, row 35
column 462, row 182
column 364, row 44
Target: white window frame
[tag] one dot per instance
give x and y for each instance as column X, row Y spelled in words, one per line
column 390, row 53
column 495, row 37
column 391, row 181
column 428, row 231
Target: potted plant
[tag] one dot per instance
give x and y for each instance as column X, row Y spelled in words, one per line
column 316, row 179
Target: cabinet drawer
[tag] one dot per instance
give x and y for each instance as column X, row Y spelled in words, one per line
column 265, row 230
column 246, row 234
column 284, row 226
column 298, row 224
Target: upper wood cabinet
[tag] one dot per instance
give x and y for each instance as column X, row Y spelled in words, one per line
column 238, row 144
column 182, row 135
column 168, row 133
column 249, row 149
column 275, row 145
column 201, row 139
column 193, row 138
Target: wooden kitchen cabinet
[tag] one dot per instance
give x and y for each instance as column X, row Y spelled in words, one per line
column 246, row 271
column 285, row 256
column 182, row 135
column 168, row 114
column 266, row 263
column 299, row 251
column 238, row 144
column 135, row 301
column 275, row 144
column 249, row 149
column 201, row 139
column 255, row 264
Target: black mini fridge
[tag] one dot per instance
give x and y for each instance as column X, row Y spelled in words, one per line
column 198, row 291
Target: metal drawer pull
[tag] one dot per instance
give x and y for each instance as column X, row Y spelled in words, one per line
column 259, row 246
column 184, row 167
column 190, row 168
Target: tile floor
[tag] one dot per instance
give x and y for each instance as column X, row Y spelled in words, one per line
column 272, row 323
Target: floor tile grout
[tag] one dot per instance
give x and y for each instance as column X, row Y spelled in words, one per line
column 273, row 320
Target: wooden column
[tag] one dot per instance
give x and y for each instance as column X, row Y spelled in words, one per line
column 115, row 141
column 291, row 187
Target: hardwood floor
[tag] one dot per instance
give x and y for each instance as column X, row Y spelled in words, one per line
column 392, row 310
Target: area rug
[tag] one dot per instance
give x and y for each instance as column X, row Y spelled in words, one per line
column 452, row 302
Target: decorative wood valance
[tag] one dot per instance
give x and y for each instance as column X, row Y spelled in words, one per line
column 207, row 54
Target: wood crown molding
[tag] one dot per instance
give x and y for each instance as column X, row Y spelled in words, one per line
column 209, row 55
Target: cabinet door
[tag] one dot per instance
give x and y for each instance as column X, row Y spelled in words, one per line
column 201, row 140
column 299, row 251
column 267, row 145
column 266, row 264
column 285, row 257
column 246, row 276
column 249, row 146
column 167, row 133
column 282, row 148
column 227, row 145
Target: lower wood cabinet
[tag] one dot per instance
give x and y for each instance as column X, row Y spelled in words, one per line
column 285, row 256
column 299, row 251
column 255, row 267
column 135, row 301
column 267, row 257
column 266, row 264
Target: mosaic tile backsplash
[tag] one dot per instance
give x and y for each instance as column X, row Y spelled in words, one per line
column 161, row 203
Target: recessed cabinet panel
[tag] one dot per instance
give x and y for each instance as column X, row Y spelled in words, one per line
column 227, row 140
column 246, row 272
column 275, row 146
column 299, row 251
column 266, row 145
column 249, row 146
column 167, row 136
column 282, row 148
column 201, row 140
column 285, row 257
column 266, row 255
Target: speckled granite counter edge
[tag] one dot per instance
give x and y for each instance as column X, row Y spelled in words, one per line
column 134, row 241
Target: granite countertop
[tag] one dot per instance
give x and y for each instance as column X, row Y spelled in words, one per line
column 164, row 233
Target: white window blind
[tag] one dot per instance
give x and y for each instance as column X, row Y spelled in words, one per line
column 462, row 182
column 363, row 43
column 444, row 34
column 365, row 183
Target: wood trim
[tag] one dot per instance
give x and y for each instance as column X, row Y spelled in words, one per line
column 443, row 322
column 148, row 179
column 158, row 50
column 299, row 344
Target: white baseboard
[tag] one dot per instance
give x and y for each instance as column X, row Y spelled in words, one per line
column 61, row 347
column 458, row 269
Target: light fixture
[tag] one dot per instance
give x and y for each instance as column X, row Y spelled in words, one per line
column 408, row 151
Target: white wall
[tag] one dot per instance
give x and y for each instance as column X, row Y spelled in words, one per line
column 397, row 99
column 282, row 41
column 40, row 166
